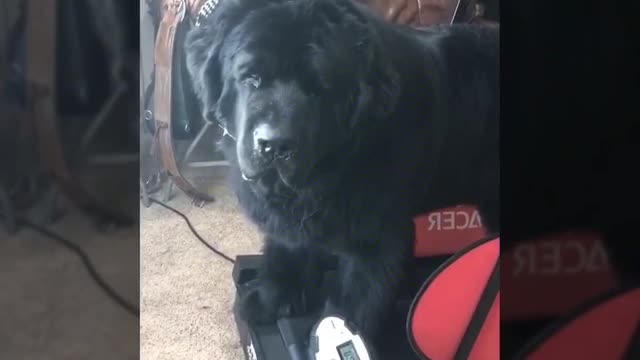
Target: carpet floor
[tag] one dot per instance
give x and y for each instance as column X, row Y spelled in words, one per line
column 187, row 291
column 51, row 309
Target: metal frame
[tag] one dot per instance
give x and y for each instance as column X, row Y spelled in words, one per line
column 202, row 164
column 89, row 135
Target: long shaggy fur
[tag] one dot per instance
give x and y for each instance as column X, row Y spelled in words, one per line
column 398, row 122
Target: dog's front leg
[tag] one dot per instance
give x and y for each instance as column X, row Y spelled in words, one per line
column 284, row 276
column 369, row 280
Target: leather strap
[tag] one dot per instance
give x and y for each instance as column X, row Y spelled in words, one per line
column 173, row 14
column 193, row 6
column 41, row 37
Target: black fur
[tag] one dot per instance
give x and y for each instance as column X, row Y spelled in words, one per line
column 391, row 122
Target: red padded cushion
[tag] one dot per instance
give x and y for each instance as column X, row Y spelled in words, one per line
column 443, row 310
column 603, row 331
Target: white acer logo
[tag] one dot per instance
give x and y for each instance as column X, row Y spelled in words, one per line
column 251, row 351
column 561, row 257
column 454, row 220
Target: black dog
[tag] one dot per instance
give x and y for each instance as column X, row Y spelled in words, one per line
column 342, row 128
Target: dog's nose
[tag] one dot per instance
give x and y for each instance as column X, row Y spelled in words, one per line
column 271, row 142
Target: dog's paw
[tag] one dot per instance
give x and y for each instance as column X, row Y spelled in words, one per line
column 263, row 305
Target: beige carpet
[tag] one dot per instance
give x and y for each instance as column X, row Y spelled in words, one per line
column 186, row 290
column 50, row 309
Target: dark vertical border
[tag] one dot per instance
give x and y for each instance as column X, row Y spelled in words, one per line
column 69, row 275
column 569, row 101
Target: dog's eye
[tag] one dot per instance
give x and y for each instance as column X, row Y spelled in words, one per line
column 252, row 80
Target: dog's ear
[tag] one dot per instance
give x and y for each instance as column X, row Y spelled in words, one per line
column 343, row 23
column 202, row 47
column 376, row 93
column 383, row 82
column 350, row 45
column 375, row 96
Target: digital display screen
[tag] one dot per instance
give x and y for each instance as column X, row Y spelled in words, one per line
column 348, row 351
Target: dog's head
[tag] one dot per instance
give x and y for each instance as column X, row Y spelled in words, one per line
column 291, row 80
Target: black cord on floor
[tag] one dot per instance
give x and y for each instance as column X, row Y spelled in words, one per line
column 119, row 300
column 193, row 230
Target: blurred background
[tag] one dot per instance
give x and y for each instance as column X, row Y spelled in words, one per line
column 69, row 157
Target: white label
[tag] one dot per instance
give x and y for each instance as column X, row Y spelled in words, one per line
column 561, row 257
column 454, row 220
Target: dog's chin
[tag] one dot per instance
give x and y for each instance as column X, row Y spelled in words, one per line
column 279, row 182
column 298, row 175
column 292, row 180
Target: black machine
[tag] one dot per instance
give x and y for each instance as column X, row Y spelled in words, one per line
column 329, row 338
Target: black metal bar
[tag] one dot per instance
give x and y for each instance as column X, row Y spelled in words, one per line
column 145, row 195
column 102, row 115
column 196, row 141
